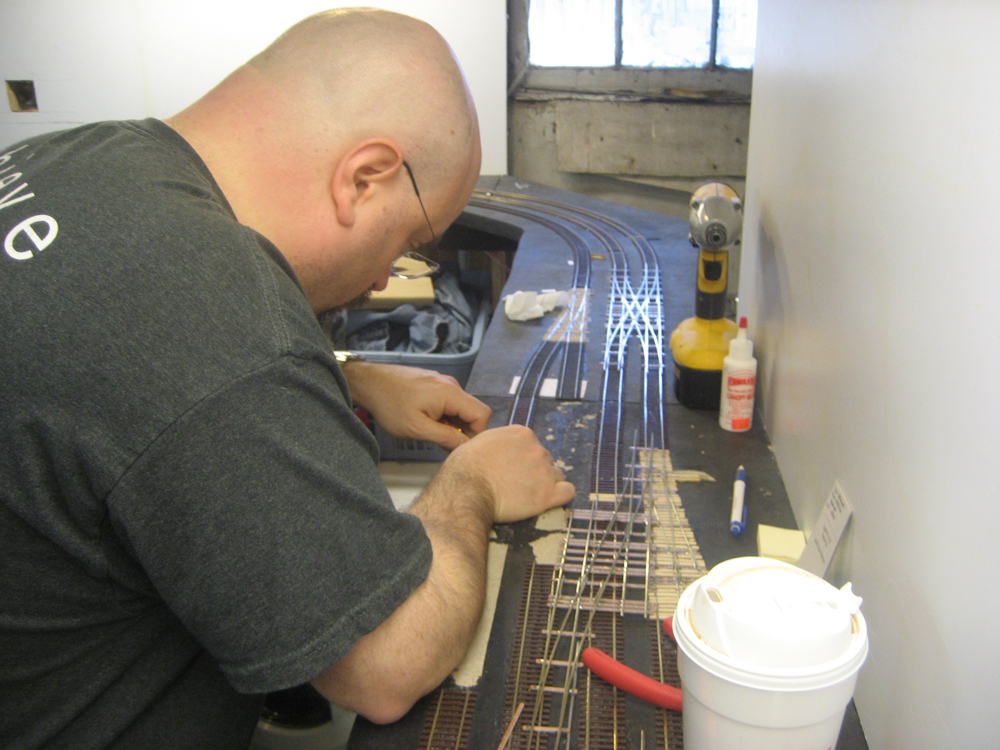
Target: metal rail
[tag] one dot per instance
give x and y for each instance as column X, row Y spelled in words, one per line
column 626, row 552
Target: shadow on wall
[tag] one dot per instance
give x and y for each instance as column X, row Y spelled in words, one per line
column 772, row 281
column 661, row 200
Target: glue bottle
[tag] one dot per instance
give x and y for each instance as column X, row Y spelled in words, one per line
column 739, row 380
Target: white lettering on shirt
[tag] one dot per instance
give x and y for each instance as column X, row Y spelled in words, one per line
column 27, row 228
column 4, row 158
column 9, row 199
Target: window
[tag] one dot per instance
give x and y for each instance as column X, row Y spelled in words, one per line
column 653, row 93
column 707, row 34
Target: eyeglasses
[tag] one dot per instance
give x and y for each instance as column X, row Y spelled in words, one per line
column 413, row 265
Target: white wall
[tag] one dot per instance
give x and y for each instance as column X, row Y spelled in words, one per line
column 871, row 277
column 105, row 59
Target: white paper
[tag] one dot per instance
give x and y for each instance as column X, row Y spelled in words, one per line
column 520, row 305
column 826, row 534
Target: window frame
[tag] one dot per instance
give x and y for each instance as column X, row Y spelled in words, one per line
column 712, row 82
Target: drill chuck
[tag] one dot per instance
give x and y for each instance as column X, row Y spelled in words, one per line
column 716, row 235
column 715, row 216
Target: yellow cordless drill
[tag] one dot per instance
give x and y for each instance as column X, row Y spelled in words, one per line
column 699, row 344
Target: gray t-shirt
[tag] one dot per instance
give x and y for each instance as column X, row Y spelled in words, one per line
column 190, row 513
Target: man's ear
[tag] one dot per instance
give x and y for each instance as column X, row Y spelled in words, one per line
column 361, row 170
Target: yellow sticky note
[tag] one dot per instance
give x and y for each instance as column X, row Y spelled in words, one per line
column 780, row 544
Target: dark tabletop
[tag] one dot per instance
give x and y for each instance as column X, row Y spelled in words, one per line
column 694, row 438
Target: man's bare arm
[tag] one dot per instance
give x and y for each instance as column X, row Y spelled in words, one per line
column 502, row 475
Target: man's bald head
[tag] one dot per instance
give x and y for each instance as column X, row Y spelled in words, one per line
column 308, row 142
column 358, row 73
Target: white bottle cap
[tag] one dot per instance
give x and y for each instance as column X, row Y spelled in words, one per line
column 741, row 347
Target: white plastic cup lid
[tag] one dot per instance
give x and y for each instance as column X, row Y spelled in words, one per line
column 767, row 613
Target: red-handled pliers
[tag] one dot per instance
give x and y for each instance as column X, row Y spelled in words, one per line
column 633, row 682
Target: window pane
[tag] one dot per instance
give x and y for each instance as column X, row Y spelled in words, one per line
column 667, row 33
column 572, row 32
column 737, row 33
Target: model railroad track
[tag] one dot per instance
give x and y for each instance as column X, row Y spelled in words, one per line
column 626, row 555
column 564, row 341
column 635, row 315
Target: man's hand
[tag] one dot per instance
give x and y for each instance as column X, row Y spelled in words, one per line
column 512, row 470
column 415, row 404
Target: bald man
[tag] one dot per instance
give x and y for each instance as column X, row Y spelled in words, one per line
column 191, row 515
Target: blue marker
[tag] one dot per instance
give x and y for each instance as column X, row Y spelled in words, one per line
column 738, row 519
